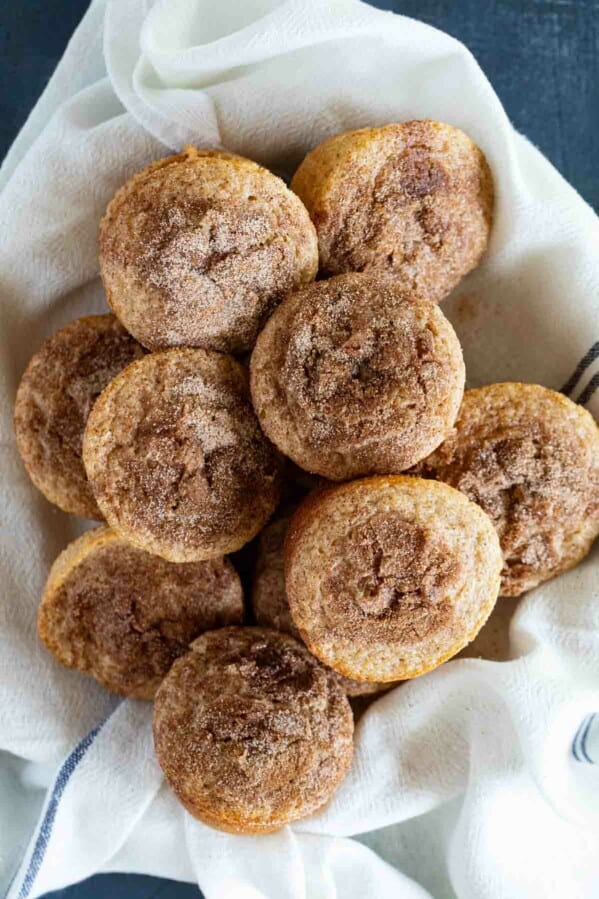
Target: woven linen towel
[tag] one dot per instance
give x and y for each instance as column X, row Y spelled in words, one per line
column 476, row 781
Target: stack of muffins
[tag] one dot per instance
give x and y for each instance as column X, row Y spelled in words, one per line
column 424, row 503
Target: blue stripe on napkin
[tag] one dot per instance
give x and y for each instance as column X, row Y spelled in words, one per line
column 589, row 390
column 45, row 832
column 580, row 746
column 580, row 369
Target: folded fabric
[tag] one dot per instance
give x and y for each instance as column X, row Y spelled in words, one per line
column 477, row 780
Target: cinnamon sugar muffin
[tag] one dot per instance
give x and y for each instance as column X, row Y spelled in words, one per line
column 176, row 458
column 198, row 248
column 413, row 199
column 530, row 458
column 53, row 401
column 354, row 376
column 251, row 731
column 388, row 577
column 124, row 616
column 269, row 600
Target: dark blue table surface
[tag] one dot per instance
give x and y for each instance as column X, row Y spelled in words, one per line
column 542, row 57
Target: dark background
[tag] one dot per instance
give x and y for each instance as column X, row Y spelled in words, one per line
column 542, row 57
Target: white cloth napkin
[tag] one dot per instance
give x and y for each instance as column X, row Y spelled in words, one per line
column 475, row 781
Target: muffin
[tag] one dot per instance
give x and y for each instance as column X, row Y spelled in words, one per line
column 530, row 458
column 124, row 616
column 413, row 199
column 56, row 393
column 251, row 731
column 388, row 577
column 354, row 376
column 198, row 248
column 176, row 458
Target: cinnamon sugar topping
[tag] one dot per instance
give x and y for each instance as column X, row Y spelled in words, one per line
column 124, row 615
column 387, row 577
column 177, row 458
column 413, row 199
column 199, row 250
column 529, row 458
column 251, row 731
column 396, row 575
column 352, row 375
column 54, row 399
